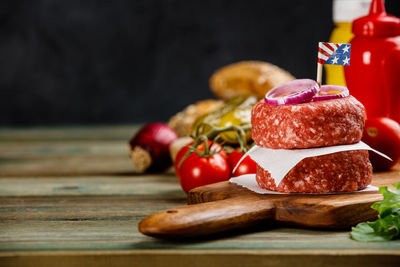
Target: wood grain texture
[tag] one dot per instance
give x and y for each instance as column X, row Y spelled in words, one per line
column 219, row 258
column 54, row 158
column 86, row 212
column 225, row 190
column 224, row 206
column 107, row 185
column 208, row 218
column 74, row 133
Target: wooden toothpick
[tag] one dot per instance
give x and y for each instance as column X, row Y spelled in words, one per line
column 319, row 74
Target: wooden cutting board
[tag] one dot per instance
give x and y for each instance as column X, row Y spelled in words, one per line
column 225, row 206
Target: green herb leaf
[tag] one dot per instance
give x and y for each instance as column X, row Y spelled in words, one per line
column 364, row 232
column 387, row 227
column 391, row 199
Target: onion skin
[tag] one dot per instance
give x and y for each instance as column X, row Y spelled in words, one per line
column 149, row 147
column 342, row 92
column 293, row 92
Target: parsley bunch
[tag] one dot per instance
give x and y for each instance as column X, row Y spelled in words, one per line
column 387, row 227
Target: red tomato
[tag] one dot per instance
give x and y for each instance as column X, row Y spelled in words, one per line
column 382, row 134
column 196, row 171
column 246, row 166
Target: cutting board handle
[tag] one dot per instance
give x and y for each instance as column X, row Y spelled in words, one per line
column 208, row 218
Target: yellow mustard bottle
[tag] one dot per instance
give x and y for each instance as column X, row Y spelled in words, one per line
column 344, row 12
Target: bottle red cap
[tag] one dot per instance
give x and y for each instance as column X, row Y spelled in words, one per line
column 377, row 22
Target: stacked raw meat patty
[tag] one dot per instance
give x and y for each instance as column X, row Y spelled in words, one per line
column 308, row 125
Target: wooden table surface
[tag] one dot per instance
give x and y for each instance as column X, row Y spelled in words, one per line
column 68, row 197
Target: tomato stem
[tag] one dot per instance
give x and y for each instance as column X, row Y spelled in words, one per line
column 204, row 138
column 214, row 135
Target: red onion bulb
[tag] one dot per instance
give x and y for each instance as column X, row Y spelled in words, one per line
column 149, row 148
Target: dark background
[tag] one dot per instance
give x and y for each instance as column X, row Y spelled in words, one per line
column 105, row 62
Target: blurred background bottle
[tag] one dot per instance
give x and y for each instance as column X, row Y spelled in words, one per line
column 373, row 76
column 344, row 12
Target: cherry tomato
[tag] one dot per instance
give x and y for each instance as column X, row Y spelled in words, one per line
column 196, row 170
column 247, row 166
column 382, row 134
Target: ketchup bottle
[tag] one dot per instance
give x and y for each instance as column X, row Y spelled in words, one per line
column 373, row 76
column 344, row 12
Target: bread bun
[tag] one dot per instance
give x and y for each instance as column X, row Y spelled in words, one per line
column 247, row 77
column 182, row 123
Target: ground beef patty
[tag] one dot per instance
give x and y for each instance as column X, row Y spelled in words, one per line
column 346, row 171
column 312, row 124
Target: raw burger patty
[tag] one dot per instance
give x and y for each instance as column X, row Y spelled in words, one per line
column 313, row 124
column 345, row 171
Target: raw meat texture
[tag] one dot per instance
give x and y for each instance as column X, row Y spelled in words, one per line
column 313, row 124
column 346, row 171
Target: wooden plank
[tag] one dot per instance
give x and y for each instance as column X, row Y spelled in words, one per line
column 43, row 149
column 110, row 222
column 116, row 235
column 66, row 165
column 124, row 185
column 225, row 206
column 195, row 258
column 68, row 197
column 65, row 133
column 64, row 158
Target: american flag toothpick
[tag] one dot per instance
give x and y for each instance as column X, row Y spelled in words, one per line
column 334, row 54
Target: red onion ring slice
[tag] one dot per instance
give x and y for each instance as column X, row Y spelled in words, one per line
column 331, row 92
column 293, row 92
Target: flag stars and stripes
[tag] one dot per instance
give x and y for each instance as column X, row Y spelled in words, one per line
column 332, row 53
